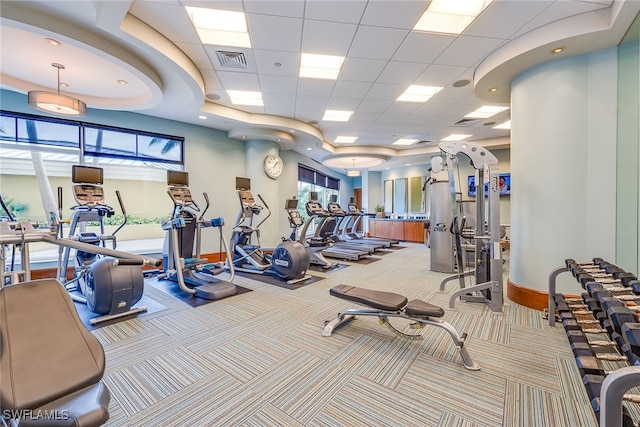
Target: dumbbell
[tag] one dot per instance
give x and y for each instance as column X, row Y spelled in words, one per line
column 593, row 386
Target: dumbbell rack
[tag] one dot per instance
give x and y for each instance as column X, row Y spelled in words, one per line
column 603, row 328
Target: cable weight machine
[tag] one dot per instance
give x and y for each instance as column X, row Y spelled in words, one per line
column 487, row 273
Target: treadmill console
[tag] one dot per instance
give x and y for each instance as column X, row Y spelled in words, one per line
column 336, row 209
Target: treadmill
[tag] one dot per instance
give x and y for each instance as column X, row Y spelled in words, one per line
column 354, row 216
column 341, row 219
column 321, row 236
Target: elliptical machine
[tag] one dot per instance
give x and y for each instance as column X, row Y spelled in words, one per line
column 108, row 286
column 194, row 275
column 288, row 261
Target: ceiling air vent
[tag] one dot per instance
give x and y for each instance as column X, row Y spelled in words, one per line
column 232, row 59
column 466, row 122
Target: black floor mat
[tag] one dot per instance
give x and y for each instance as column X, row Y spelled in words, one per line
column 86, row 315
column 170, row 287
column 272, row 280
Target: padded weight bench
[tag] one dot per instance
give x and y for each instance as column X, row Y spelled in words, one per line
column 388, row 304
column 51, row 366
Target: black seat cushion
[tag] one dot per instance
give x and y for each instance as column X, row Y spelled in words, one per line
column 375, row 299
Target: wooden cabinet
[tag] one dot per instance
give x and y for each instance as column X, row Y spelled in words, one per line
column 407, row 230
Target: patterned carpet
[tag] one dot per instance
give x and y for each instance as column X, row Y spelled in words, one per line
column 258, row 359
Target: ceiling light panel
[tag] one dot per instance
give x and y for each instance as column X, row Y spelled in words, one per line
column 455, row 137
column 245, row 97
column 416, row 93
column 220, row 27
column 405, row 141
column 337, row 115
column 450, row 17
column 320, row 66
column 346, row 139
column 505, row 125
column 486, row 111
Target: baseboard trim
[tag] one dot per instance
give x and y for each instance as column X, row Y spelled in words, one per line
column 532, row 298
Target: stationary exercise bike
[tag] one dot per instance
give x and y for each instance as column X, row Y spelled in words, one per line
column 194, row 275
column 288, row 261
column 108, row 286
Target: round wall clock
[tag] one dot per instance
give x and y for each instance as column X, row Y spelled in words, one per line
column 273, row 166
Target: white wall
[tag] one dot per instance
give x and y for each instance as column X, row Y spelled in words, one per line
column 563, row 152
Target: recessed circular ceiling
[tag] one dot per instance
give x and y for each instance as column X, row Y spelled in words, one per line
column 349, row 161
column 89, row 76
column 461, row 83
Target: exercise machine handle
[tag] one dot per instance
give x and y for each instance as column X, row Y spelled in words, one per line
column 120, row 261
column 124, row 214
column 206, row 199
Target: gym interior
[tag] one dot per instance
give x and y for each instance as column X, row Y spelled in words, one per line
column 172, row 256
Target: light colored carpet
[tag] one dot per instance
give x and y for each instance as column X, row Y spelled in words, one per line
column 258, row 359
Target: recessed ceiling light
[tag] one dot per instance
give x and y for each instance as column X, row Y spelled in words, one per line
column 122, row 82
column 493, row 89
column 309, row 148
column 345, row 139
column 245, row 97
column 416, row 93
column 489, row 124
column 202, row 117
column 220, row 27
column 455, row 137
column 405, row 141
column 505, row 125
column 337, row 115
column 320, row 66
column 64, row 84
column 558, row 49
column 450, row 17
column 486, row 111
column 52, row 42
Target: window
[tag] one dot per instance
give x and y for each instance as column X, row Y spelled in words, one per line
column 38, row 152
column 311, row 180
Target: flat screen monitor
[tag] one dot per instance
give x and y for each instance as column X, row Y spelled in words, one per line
column 505, row 185
column 291, row 204
column 243, row 183
column 177, row 178
column 86, row 175
column 313, row 196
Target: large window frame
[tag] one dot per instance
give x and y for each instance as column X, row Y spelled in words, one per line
column 309, row 180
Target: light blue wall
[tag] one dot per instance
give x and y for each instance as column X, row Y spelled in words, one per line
column 563, row 163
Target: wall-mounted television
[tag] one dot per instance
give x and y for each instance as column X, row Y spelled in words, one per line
column 505, row 185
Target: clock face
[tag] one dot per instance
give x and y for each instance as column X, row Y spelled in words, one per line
column 273, row 166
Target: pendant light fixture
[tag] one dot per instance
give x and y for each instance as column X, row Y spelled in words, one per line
column 353, row 172
column 57, row 103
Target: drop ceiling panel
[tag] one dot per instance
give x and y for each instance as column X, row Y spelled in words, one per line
column 348, row 11
column 266, row 62
column 346, row 89
column 294, row 9
column 314, row 103
column 395, row 14
column 361, row 69
column 197, row 53
column 275, row 32
column 327, row 38
column 239, row 81
column 376, row 42
column 422, row 47
column 386, row 91
column 512, row 16
column 440, row 75
column 315, row 87
column 401, row 72
column 368, row 105
column 278, row 84
column 468, row 51
column 346, row 104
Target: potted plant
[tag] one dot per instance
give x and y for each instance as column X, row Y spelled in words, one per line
column 380, row 213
